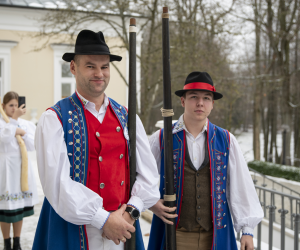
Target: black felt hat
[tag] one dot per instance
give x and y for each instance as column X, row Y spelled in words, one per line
column 90, row 43
column 199, row 81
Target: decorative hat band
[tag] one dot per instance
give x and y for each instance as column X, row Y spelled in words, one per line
column 199, row 85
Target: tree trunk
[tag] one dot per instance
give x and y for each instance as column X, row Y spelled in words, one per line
column 297, row 109
column 257, row 94
column 284, row 69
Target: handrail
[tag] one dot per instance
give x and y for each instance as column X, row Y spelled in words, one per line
column 279, row 193
column 276, row 182
column 269, row 200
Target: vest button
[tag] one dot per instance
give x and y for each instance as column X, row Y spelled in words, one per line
column 198, row 197
column 198, row 207
column 97, row 134
column 199, row 218
column 121, row 156
column 100, row 158
column 198, row 174
column 198, row 185
column 225, row 166
column 70, row 112
column 224, row 226
column 122, row 183
column 118, row 129
column 224, row 178
column 70, row 120
column 224, row 214
column 102, row 185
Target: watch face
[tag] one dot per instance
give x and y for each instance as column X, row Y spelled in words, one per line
column 135, row 213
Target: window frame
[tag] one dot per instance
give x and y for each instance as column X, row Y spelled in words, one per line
column 5, row 58
column 59, row 50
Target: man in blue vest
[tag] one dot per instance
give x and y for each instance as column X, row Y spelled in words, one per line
column 211, row 178
column 83, row 153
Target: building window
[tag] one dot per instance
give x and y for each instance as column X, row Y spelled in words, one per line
column 67, row 82
column 65, row 70
column 64, row 81
column 1, row 81
column 5, row 62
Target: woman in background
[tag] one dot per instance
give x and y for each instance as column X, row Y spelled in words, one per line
column 15, row 204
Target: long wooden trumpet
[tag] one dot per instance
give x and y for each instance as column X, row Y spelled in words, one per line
column 170, row 196
column 24, row 166
column 130, row 243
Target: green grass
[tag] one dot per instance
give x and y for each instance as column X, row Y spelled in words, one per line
column 276, row 170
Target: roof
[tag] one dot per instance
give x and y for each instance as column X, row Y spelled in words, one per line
column 34, row 3
column 94, row 6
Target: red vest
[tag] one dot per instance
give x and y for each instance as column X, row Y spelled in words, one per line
column 108, row 160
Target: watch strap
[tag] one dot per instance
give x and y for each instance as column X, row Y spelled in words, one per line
column 129, row 209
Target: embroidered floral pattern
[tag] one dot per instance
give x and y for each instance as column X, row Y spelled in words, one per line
column 16, row 196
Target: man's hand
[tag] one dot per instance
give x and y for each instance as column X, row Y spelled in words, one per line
column 247, row 242
column 117, row 228
column 161, row 211
column 19, row 112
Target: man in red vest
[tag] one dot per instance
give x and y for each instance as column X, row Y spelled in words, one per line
column 83, row 160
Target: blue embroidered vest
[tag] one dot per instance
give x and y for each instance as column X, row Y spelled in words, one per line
column 218, row 146
column 53, row 232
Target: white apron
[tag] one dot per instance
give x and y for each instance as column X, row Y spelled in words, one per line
column 11, row 196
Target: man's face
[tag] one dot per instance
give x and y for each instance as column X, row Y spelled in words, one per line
column 197, row 104
column 92, row 74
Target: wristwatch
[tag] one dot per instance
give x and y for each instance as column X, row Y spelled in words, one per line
column 134, row 213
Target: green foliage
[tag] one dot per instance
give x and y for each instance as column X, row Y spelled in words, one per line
column 276, row 170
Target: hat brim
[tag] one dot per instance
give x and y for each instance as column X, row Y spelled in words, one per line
column 68, row 57
column 182, row 91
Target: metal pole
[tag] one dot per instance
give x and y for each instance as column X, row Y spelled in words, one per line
column 168, row 137
column 291, row 204
column 296, row 231
column 283, row 212
column 238, row 236
column 271, row 220
column 259, row 229
column 130, row 243
column 264, row 203
column 259, row 236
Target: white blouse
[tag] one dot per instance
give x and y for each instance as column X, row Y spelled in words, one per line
column 242, row 198
column 73, row 201
column 11, row 196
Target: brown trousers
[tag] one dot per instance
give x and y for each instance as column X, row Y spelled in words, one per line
column 197, row 239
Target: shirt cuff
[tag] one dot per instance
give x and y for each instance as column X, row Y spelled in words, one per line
column 100, row 218
column 247, row 230
column 136, row 202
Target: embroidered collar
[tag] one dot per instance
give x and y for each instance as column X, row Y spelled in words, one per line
column 179, row 125
column 86, row 102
